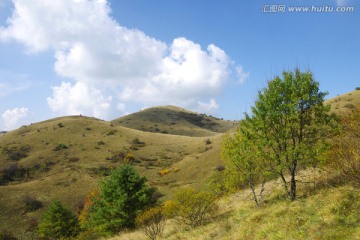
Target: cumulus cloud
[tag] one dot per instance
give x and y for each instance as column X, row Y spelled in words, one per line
column 96, row 52
column 14, row 118
column 79, row 99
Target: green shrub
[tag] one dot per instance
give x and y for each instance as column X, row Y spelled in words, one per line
column 60, row 147
column 121, row 197
column 191, row 207
column 357, row 88
column 57, row 222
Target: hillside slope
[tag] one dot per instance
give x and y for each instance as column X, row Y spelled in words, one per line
column 64, row 158
column 174, row 120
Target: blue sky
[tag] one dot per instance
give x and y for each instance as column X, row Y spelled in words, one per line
column 110, row 58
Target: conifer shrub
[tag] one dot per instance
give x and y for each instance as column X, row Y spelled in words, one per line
column 121, row 196
column 57, row 223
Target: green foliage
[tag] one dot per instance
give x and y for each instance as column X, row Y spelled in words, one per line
column 60, row 125
column 151, row 222
column 357, row 88
column 60, row 147
column 191, row 207
column 244, row 161
column 288, row 126
column 57, row 223
column 121, row 197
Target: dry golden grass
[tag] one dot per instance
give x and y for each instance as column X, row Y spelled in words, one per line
column 319, row 213
column 345, row 102
column 69, row 174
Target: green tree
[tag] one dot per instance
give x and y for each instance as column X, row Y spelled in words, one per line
column 122, row 196
column 244, row 162
column 288, row 125
column 57, row 222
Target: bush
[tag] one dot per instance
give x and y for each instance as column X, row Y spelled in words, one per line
column 57, row 222
column 151, row 222
column 16, row 153
column 191, row 207
column 60, row 146
column 12, row 173
column 121, row 197
column 31, row 203
column 357, row 88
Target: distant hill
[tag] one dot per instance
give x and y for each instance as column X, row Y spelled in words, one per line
column 174, row 120
column 345, row 102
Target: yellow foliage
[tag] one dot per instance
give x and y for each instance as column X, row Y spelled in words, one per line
column 191, row 207
column 163, row 172
column 151, row 222
column 84, row 213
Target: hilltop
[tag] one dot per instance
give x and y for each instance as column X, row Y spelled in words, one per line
column 174, row 120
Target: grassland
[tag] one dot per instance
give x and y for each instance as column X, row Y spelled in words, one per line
column 64, row 158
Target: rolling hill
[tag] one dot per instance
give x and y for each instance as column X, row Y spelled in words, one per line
column 174, row 120
column 64, row 158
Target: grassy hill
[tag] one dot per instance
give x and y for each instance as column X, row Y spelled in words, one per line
column 63, row 158
column 344, row 102
column 174, row 120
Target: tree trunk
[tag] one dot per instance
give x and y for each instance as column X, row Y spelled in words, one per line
column 293, row 181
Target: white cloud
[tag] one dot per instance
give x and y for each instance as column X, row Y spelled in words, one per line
column 79, row 99
column 207, row 107
column 241, row 74
column 14, row 118
column 95, row 51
